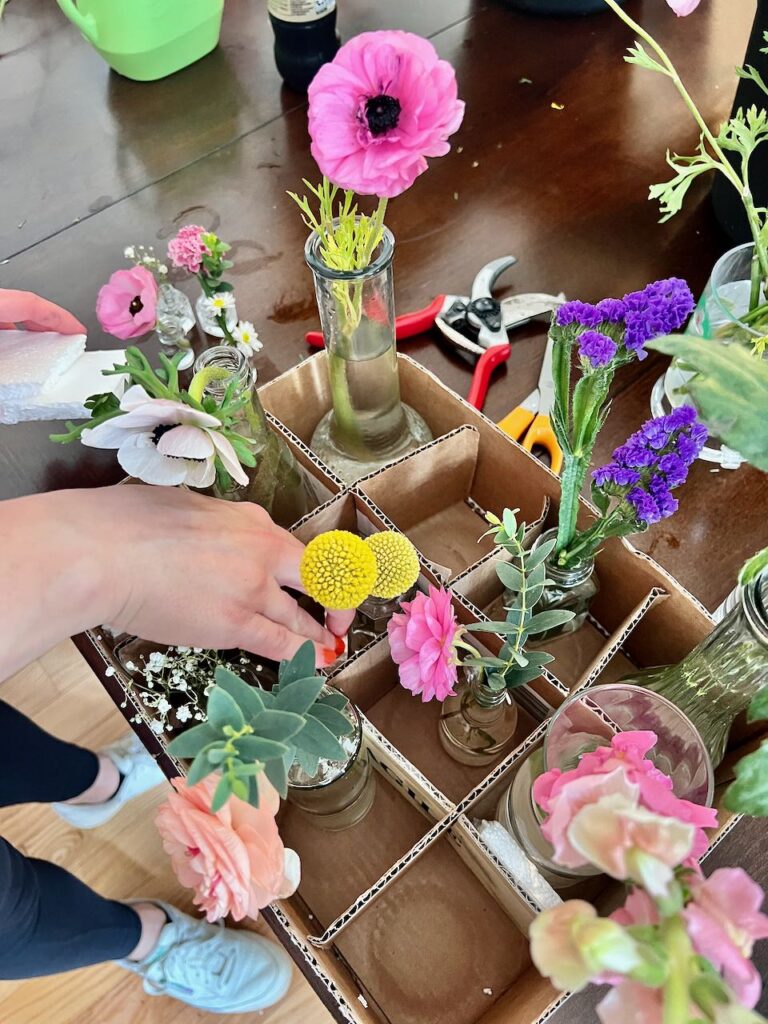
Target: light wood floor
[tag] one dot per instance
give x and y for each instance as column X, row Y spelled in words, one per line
column 122, row 859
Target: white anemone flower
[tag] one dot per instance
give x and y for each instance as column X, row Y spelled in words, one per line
column 165, row 442
column 218, row 303
column 246, row 337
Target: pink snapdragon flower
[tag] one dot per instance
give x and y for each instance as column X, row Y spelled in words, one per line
column 627, row 751
column 234, row 860
column 126, row 306
column 723, row 922
column 683, row 7
column 632, row 1003
column 383, row 105
column 186, row 250
column 422, row 641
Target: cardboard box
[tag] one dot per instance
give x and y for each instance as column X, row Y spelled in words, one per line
column 407, row 917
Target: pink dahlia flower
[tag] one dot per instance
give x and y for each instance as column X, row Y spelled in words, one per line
column 234, row 859
column 724, row 921
column 376, row 112
column 126, row 306
column 421, row 639
column 683, row 7
column 186, row 250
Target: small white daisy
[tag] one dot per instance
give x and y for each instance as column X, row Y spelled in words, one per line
column 218, row 303
column 246, row 337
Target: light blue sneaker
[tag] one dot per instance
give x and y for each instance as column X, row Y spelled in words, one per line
column 140, row 774
column 221, row 970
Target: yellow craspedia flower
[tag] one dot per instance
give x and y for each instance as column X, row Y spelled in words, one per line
column 338, row 570
column 397, row 564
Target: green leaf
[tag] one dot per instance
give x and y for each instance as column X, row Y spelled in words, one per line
column 216, row 753
column 600, row 499
column 191, row 742
column 333, row 700
column 332, row 719
column 510, row 576
column 752, row 569
column 200, row 768
column 246, row 697
column 537, row 557
column 520, row 676
column 637, row 54
column 543, row 621
column 730, row 390
column 221, row 794
column 250, row 770
column 223, row 710
column 314, row 738
column 758, row 709
column 239, row 788
column 486, row 662
column 277, row 725
column 500, row 628
column 510, row 522
column 749, row 793
column 671, row 194
column 277, row 774
column 307, row 761
column 299, row 696
column 254, row 748
column 301, row 666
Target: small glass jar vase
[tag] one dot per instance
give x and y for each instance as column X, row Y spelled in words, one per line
column 277, row 482
column 174, row 322
column 207, row 319
column 478, row 724
column 589, row 720
column 716, row 682
column 368, row 426
column 340, row 793
column 572, row 589
column 372, row 617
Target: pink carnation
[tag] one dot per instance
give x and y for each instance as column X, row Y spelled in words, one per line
column 126, row 306
column 382, row 106
column 421, row 639
column 234, row 860
column 187, row 249
column 724, row 921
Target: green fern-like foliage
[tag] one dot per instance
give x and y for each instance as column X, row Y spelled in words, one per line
column 250, row 731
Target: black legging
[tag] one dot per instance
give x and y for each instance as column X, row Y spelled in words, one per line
column 50, row 921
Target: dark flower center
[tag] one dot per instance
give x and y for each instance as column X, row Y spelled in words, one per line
column 163, row 428
column 382, row 114
column 136, row 305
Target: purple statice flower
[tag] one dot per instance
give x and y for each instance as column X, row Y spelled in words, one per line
column 634, row 455
column 659, row 489
column 597, row 348
column 584, row 314
column 611, row 310
column 682, row 416
column 674, row 468
column 614, row 475
column 659, row 308
column 646, row 509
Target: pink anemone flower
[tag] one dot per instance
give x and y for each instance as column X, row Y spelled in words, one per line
column 126, row 306
column 383, row 105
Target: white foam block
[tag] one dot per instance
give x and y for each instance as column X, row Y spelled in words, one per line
column 63, row 397
column 30, row 359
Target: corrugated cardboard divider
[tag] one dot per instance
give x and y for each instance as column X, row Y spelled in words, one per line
column 327, row 482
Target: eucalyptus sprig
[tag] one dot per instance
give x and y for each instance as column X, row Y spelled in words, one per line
column 250, row 731
column 525, row 577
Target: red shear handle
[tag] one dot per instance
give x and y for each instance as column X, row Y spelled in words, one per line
column 481, row 378
column 406, row 326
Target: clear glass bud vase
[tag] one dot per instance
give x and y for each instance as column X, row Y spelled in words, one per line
column 368, row 426
column 372, row 617
column 277, row 482
column 716, row 682
column 478, row 724
column 175, row 320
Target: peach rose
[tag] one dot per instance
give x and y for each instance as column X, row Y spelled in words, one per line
column 234, row 860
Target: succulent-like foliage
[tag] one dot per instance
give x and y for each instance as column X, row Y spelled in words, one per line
column 525, row 577
column 251, row 730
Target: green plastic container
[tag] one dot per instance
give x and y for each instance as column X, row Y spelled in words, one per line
column 147, row 39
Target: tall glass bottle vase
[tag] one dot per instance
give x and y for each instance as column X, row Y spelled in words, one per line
column 277, row 482
column 368, row 426
column 716, row 682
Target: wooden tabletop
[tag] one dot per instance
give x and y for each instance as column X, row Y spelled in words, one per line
column 90, row 162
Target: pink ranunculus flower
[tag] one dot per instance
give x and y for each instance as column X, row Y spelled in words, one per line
column 724, row 921
column 383, row 105
column 126, row 305
column 421, row 639
column 234, row 860
column 572, row 946
column 632, row 1003
column 186, row 250
column 627, row 750
column 683, row 7
column 161, row 441
column 628, row 842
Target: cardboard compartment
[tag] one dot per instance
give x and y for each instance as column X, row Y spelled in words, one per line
column 371, row 681
column 328, row 484
column 437, row 948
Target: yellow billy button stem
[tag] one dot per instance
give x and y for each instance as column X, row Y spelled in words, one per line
column 397, row 564
column 338, row 570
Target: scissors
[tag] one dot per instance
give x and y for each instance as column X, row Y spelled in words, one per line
column 529, row 422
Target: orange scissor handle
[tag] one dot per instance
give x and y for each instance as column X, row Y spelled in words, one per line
column 541, row 433
column 515, row 423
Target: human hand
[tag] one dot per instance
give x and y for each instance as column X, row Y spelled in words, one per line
column 35, row 313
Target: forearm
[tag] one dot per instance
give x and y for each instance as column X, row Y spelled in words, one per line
column 55, row 582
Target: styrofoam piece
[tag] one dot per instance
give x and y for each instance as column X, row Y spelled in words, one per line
column 31, row 359
column 64, row 395
column 521, row 868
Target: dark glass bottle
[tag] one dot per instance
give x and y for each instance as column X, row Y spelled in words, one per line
column 305, row 38
column 564, row 8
